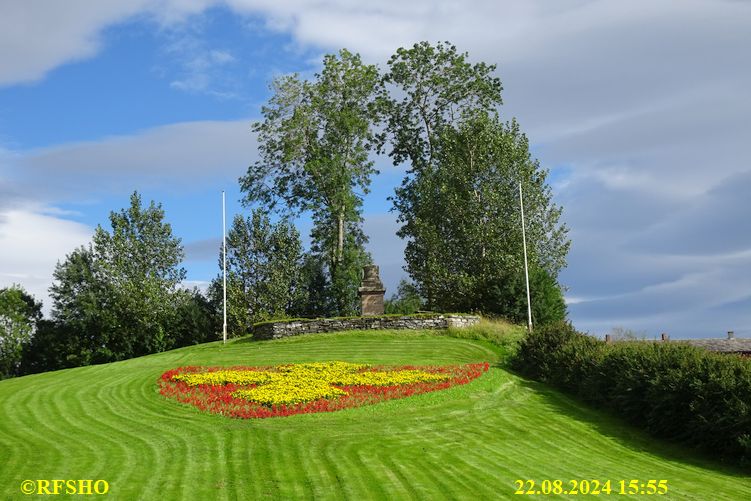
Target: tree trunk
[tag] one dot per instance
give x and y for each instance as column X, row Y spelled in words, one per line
column 482, row 226
column 340, row 241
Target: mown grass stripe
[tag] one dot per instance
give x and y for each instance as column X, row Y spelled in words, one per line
column 468, row 442
column 325, row 452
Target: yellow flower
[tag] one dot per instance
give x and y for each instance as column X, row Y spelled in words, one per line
column 298, row 383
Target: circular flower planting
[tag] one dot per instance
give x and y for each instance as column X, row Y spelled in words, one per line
column 283, row 390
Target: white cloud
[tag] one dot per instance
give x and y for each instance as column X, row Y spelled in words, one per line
column 31, row 243
column 37, row 36
column 221, row 57
column 645, row 102
column 200, row 68
column 34, row 233
column 202, row 285
column 176, row 155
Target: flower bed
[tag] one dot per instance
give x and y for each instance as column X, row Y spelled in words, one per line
column 283, row 390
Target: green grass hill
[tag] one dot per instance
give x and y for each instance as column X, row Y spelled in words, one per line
column 468, row 442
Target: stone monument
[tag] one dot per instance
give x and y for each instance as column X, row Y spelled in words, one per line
column 371, row 292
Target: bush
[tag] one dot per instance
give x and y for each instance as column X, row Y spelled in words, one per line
column 506, row 296
column 672, row 390
column 406, row 301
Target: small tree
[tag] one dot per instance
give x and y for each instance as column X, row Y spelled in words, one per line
column 316, row 288
column 195, row 320
column 264, row 272
column 49, row 349
column 141, row 259
column 19, row 315
column 506, row 295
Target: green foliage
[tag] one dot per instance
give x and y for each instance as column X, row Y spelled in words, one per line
column 506, row 295
column 140, row 247
column 458, row 204
column 407, row 299
column 20, row 314
column 343, row 275
column 52, row 347
column 315, row 288
column 463, row 223
column 139, row 260
column 314, row 143
column 196, row 320
column 120, row 297
column 84, row 305
column 438, row 87
column 673, row 390
column 264, row 272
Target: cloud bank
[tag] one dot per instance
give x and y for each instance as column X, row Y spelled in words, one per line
column 641, row 108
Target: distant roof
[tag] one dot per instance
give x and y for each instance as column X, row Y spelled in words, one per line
column 734, row 345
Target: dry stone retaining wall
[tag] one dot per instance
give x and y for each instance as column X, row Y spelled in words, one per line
column 277, row 330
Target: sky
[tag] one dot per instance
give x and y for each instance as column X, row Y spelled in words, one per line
column 641, row 111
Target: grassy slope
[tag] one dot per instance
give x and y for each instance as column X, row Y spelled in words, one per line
column 473, row 441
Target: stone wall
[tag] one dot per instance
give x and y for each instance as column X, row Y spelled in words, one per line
column 277, row 330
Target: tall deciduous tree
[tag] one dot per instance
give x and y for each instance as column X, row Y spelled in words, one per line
column 315, row 141
column 466, row 224
column 459, row 204
column 438, row 88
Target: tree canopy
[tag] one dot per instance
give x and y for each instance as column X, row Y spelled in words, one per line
column 120, row 296
column 264, row 272
column 458, row 203
column 19, row 315
column 433, row 87
column 315, row 142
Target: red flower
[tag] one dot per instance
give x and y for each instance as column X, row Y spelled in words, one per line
column 218, row 399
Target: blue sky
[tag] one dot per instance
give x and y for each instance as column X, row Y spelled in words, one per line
column 640, row 109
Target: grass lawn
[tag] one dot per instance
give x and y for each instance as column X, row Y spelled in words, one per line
column 468, row 442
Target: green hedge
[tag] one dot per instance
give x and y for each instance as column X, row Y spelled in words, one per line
column 672, row 390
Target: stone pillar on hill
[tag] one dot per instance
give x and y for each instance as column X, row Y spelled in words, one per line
column 371, row 292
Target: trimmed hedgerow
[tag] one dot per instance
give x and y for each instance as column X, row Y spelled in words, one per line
column 672, row 390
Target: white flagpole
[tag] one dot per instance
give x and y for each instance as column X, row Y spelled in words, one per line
column 224, row 264
column 526, row 271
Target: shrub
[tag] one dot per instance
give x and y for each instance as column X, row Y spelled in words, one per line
column 672, row 390
column 506, row 296
column 406, row 301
